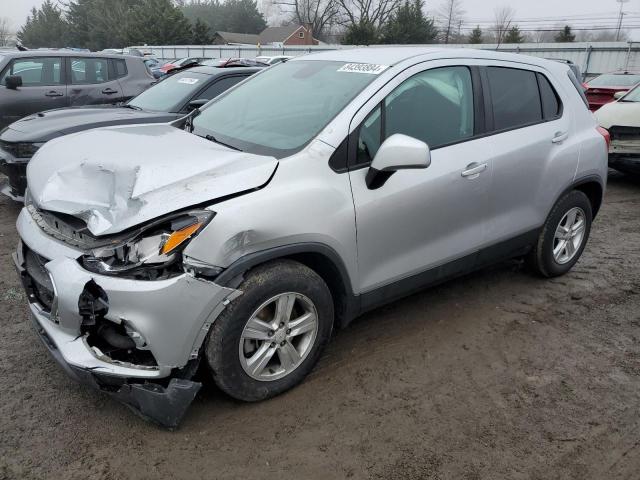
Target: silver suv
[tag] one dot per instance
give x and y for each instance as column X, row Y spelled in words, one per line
column 316, row 190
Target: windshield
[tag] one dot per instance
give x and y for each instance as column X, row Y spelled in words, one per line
column 622, row 80
column 280, row 110
column 170, row 94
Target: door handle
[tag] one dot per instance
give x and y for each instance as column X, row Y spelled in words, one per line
column 474, row 170
column 109, row 91
column 559, row 137
column 53, row 93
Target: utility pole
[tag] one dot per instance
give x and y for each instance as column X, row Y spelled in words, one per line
column 621, row 2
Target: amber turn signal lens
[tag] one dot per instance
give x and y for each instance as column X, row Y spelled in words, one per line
column 178, row 237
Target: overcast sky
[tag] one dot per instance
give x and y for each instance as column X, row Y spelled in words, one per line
column 576, row 12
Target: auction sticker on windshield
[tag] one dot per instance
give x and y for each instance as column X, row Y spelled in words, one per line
column 370, row 68
column 189, row 81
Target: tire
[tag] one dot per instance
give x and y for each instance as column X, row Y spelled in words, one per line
column 229, row 353
column 542, row 258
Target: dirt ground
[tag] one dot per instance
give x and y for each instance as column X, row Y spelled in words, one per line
column 499, row 375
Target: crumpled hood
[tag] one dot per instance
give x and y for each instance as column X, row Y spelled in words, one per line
column 623, row 114
column 45, row 126
column 118, row 177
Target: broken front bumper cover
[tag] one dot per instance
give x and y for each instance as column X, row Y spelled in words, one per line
column 172, row 315
column 164, row 405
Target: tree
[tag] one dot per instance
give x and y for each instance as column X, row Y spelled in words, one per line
column 364, row 19
column 409, row 25
column 503, row 16
column 158, row 22
column 201, row 33
column 5, row 31
column 476, row 35
column 514, row 35
column 242, row 16
column 565, row 36
column 450, row 15
column 45, row 27
column 361, row 34
column 97, row 24
column 322, row 15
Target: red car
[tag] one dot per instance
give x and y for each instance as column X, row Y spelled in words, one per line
column 601, row 90
column 173, row 64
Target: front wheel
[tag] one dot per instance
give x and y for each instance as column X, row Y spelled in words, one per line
column 563, row 237
column 269, row 338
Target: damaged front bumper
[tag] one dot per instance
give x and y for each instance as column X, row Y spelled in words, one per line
column 167, row 321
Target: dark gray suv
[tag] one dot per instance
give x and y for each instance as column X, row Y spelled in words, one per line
column 39, row 80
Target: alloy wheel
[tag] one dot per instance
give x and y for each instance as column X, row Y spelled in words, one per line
column 278, row 336
column 569, row 235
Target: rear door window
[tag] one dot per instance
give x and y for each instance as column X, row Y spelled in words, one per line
column 35, row 72
column 515, row 98
column 86, row 71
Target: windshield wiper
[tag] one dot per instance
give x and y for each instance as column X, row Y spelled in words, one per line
column 211, row 138
column 132, row 107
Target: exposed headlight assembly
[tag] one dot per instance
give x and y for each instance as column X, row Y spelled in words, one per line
column 153, row 247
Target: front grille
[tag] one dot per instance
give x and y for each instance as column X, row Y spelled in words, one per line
column 11, row 148
column 624, row 133
column 40, row 279
column 65, row 228
column 22, row 150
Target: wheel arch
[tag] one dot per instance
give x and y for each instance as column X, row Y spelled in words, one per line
column 321, row 258
column 594, row 190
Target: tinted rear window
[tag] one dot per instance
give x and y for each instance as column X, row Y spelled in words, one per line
column 579, row 87
column 515, row 97
column 551, row 107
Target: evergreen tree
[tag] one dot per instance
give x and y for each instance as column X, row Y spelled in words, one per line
column 242, row 16
column 409, row 25
column 208, row 11
column 362, row 33
column 476, row 35
column 201, row 33
column 565, row 36
column 78, row 18
column 513, row 35
column 45, row 27
column 96, row 24
column 158, row 22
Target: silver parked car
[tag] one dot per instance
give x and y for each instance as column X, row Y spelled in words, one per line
column 258, row 226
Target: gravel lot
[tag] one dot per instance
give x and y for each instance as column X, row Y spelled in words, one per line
column 496, row 375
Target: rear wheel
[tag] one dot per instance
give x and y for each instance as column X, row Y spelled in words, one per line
column 268, row 339
column 563, row 237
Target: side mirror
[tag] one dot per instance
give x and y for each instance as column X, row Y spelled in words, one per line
column 12, row 82
column 398, row 152
column 193, row 104
column 619, row 95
